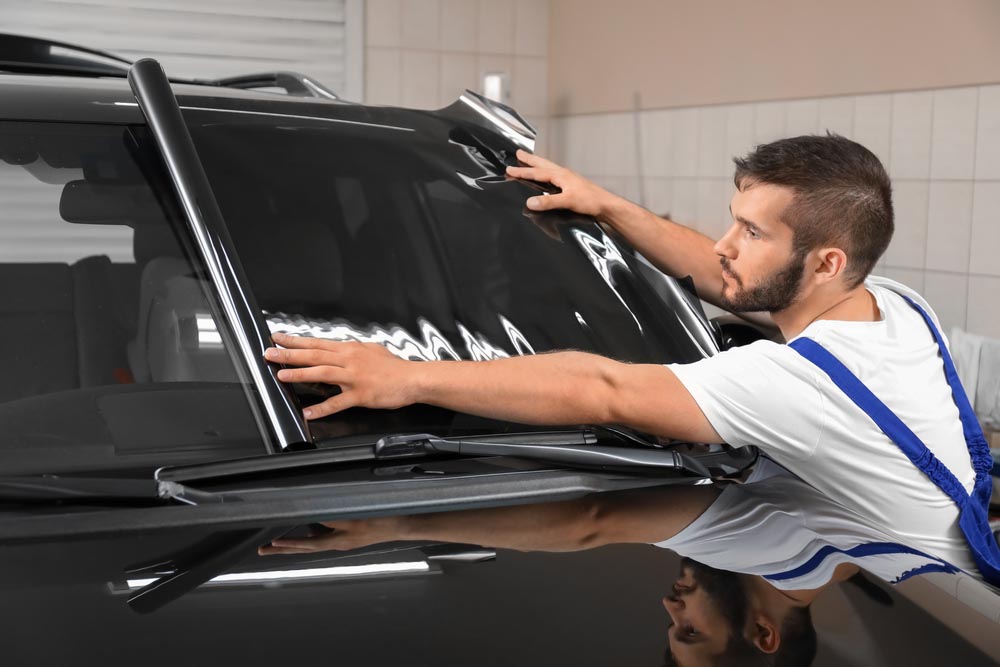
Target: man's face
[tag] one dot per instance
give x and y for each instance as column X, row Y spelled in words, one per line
column 760, row 270
column 701, row 605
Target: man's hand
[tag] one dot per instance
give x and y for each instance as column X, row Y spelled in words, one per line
column 578, row 194
column 368, row 374
column 346, row 535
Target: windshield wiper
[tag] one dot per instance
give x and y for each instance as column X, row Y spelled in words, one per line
column 357, row 453
column 577, row 448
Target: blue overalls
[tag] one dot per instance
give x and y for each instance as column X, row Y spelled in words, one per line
column 973, row 509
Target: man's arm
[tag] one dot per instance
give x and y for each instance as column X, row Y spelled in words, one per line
column 674, row 249
column 644, row 516
column 557, row 388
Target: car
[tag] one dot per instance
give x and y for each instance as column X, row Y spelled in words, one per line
column 156, row 232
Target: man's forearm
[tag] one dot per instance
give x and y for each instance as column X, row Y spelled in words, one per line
column 557, row 388
column 673, row 248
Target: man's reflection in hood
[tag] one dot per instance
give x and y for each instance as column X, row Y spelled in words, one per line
column 724, row 618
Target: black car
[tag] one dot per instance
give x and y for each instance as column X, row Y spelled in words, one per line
column 154, row 234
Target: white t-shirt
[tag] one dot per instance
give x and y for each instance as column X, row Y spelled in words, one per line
column 778, row 527
column 766, row 394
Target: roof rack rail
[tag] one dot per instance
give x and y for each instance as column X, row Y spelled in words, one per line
column 22, row 53
column 292, row 82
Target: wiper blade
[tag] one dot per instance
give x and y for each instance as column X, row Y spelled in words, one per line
column 583, row 453
column 356, row 453
column 49, row 488
column 576, row 448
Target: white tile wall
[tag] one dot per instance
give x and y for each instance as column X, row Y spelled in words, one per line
column 421, row 79
column 985, row 247
column 949, row 225
column 420, row 24
column 382, row 22
column 984, row 316
column 459, row 25
column 953, row 138
column 457, row 70
column 496, row 26
column 685, row 144
column 873, row 123
column 802, row 118
column 739, row 132
column 529, row 86
column 712, row 162
column 988, row 133
column 948, row 295
column 531, row 28
column 425, row 53
column 912, row 118
column 684, row 201
column 619, row 139
column 770, row 121
column 912, row 278
column 382, row 76
column 908, row 248
column 836, row 114
column 941, row 147
column 656, row 131
column 659, row 195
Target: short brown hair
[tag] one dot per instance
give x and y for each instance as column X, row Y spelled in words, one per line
column 843, row 196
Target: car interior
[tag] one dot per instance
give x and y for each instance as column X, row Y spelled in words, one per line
column 97, row 339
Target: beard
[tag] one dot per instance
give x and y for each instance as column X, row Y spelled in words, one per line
column 725, row 589
column 775, row 293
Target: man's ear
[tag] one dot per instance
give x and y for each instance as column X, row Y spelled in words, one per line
column 765, row 633
column 830, row 263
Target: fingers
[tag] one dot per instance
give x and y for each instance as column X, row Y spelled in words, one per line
column 533, row 174
column 330, row 406
column 306, row 342
column 548, row 202
column 268, row 550
column 533, row 160
column 306, row 357
column 327, row 374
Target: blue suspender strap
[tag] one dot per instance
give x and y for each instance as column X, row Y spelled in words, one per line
column 982, row 462
column 884, row 418
column 973, row 509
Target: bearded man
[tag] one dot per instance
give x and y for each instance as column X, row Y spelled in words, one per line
column 863, row 403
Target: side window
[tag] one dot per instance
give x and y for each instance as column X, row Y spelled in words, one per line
column 111, row 354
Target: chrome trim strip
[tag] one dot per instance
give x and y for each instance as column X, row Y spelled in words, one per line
column 157, row 102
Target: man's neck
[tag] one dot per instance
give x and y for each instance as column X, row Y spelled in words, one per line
column 854, row 305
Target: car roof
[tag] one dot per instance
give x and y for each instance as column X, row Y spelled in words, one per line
column 110, row 99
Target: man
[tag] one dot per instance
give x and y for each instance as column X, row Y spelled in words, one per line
column 811, row 216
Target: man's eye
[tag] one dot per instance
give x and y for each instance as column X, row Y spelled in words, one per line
column 752, row 233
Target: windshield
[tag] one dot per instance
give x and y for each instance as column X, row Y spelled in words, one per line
column 407, row 236
column 112, row 354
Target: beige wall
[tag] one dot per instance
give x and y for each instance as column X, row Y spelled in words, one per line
column 686, row 53
column 425, row 53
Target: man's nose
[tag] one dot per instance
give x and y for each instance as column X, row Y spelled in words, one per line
column 725, row 247
column 673, row 605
